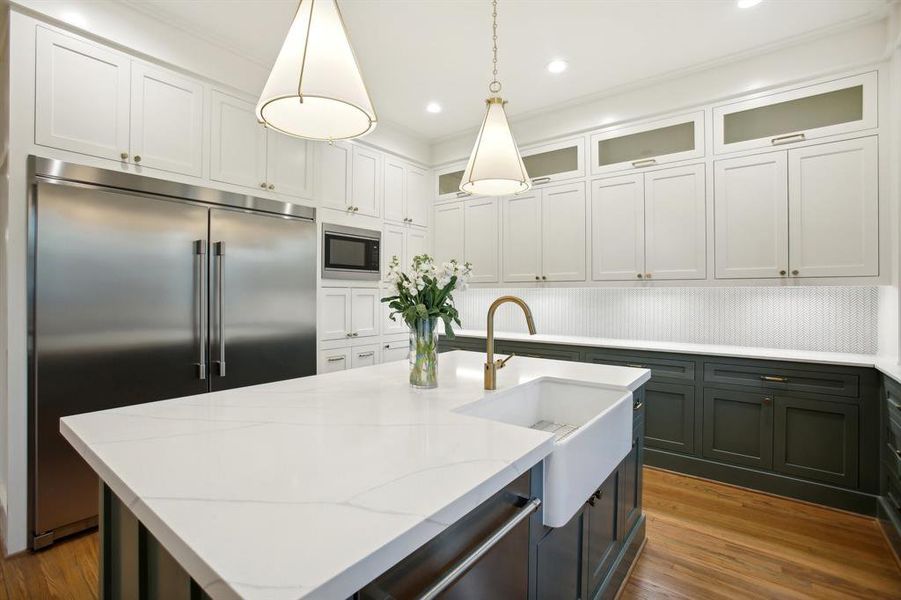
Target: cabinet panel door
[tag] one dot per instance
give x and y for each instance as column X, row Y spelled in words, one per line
column 670, row 417
column 367, row 181
column 617, row 228
column 417, row 243
column 334, row 360
column 522, row 235
column 559, row 571
column 364, row 356
column 81, row 96
column 289, row 165
column 334, row 314
column 676, row 223
column 563, row 233
column 751, row 216
column 448, row 232
column 366, row 313
column 395, row 182
column 555, row 161
column 481, row 233
column 738, row 428
column 648, row 144
column 333, row 181
column 417, row 197
column 833, row 199
column 816, row 440
column 238, row 143
column 631, row 482
column 603, row 530
column 394, row 244
column 166, row 120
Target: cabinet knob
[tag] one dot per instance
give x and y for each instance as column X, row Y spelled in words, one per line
column 537, row 278
column 592, row 501
column 271, row 187
column 354, row 334
column 794, row 271
column 348, row 334
column 647, row 275
column 544, row 277
column 767, row 401
column 263, row 185
column 640, row 276
column 137, row 158
column 782, row 272
column 124, row 156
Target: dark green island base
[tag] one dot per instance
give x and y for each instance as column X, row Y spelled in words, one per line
column 517, row 556
column 825, row 434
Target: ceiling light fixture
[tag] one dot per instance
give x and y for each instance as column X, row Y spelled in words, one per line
column 433, row 107
column 748, row 3
column 315, row 89
column 557, row 66
column 495, row 167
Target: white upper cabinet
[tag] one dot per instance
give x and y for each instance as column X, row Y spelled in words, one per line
column 418, row 197
column 166, row 120
column 417, row 243
column 81, row 97
column 449, row 232
column 556, row 161
column 367, row 181
column 289, row 165
column 522, row 237
column 238, row 143
column 333, row 181
column 406, row 193
column 395, row 184
column 481, row 231
column 448, row 182
column 751, row 216
column 617, row 228
column 648, row 144
column 835, row 107
column 394, row 244
column 675, row 223
column 563, row 225
column 833, row 200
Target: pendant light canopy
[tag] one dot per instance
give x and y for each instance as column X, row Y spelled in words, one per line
column 315, row 89
column 495, row 166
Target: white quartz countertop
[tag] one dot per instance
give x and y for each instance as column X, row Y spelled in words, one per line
column 827, row 358
column 311, row 488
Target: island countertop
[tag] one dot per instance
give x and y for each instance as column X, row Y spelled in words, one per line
column 313, row 487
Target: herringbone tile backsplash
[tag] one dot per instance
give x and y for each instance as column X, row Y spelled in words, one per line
column 828, row 319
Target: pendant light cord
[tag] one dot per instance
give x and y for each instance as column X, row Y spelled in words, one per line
column 495, row 86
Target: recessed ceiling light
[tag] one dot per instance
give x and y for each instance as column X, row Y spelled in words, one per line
column 748, row 3
column 557, row 66
column 433, row 107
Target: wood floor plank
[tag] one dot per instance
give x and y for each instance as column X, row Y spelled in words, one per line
column 705, row 541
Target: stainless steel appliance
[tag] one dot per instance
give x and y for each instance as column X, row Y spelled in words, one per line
column 350, row 252
column 141, row 290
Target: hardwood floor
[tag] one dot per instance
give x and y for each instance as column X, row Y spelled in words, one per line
column 705, row 540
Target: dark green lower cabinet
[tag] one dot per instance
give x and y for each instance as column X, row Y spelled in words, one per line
column 559, row 563
column 603, row 533
column 816, row 440
column 631, row 481
column 670, row 417
column 738, row 427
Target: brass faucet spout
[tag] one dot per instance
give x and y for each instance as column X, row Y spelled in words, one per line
column 491, row 365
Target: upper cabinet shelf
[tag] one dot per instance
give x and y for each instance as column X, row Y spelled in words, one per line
column 648, row 144
column 835, row 107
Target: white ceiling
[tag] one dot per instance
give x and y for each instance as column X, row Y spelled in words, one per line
column 415, row 52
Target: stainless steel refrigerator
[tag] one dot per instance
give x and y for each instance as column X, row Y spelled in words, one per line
column 142, row 290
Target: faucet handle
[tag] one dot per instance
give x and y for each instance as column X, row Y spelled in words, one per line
column 502, row 363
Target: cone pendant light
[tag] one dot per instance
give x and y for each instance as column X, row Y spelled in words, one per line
column 315, row 89
column 495, row 166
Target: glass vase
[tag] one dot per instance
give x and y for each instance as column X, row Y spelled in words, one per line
column 424, row 354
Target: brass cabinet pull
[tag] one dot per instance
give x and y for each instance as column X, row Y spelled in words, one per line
column 893, row 402
column 638, row 406
column 639, row 275
column 123, row 155
column 263, row 185
column 540, row 180
column 544, row 277
column 774, row 378
column 783, row 272
column 462, row 194
column 271, row 186
column 647, row 275
column 788, row 139
column 537, row 278
column 137, row 159
column 795, row 272
column 767, row 401
column 644, row 163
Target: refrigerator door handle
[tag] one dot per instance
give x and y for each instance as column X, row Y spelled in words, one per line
column 220, row 315
column 200, row 257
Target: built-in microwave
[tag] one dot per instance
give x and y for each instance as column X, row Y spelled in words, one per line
column 350, row 252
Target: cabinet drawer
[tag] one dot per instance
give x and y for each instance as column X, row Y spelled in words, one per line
column 836, row 384
column 892, row 399
column 661, row 368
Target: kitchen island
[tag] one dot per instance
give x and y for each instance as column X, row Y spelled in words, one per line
column 314, row 487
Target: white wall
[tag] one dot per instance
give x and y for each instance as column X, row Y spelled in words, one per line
column 861, row 46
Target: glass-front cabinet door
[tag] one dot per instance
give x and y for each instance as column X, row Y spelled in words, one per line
column 831, row 108
column 648, row 144
column 555, row 161
column 449, row 180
